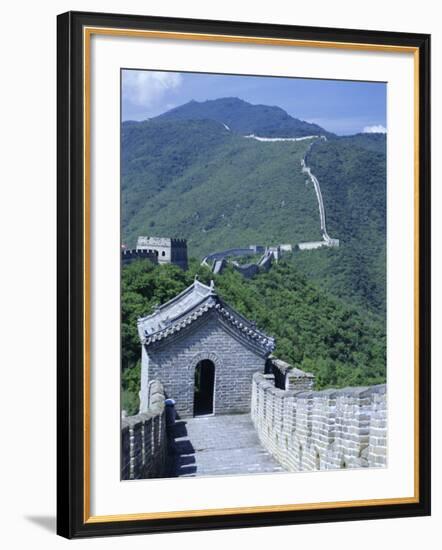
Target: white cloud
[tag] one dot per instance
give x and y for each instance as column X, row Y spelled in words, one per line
column 376, row 129
column 147, row 88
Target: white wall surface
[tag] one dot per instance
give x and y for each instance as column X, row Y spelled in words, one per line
column 27, row 301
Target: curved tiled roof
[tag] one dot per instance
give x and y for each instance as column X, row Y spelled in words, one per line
column 191, row 304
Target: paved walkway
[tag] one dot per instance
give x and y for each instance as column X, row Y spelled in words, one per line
column 218, row 445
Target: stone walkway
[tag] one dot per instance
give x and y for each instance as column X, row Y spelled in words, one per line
column 217, row 445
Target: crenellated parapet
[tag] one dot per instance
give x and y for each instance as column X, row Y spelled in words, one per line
column 144, row 440
column 321, row 430
column 167, row 250
column 129, row 255
column 287, row 377
column 179, row 243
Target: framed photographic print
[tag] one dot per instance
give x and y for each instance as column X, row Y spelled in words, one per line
column 243, row 274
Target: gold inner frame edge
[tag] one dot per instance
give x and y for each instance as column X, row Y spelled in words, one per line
column 87, row 34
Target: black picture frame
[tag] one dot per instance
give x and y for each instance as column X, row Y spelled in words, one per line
column 71, row 388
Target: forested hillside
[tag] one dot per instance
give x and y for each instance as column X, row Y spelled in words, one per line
column 341, row 345
column 352, row 175
column 198, row 181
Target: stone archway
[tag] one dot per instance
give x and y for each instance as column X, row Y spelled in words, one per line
column 203, row 372
column 204, row 388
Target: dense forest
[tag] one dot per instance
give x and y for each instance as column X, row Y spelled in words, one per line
column 341, row 345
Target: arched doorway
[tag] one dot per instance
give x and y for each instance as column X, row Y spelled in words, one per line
column 204, row 387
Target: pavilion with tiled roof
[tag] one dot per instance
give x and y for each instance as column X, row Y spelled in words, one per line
column 203, row 351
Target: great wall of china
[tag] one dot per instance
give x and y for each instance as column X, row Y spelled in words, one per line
column 165, row 250
column 217, row 261
column 264, row 415
column 291, row 430
column 326, row 239
column 144, row 440
column 321, row 430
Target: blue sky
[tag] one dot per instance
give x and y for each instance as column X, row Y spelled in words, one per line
column 342, row 107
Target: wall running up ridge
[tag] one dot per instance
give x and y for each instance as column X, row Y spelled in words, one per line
column 321, row 430
column 144, row 440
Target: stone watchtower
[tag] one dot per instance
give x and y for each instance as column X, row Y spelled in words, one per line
column 203, row 352
column 168, row 251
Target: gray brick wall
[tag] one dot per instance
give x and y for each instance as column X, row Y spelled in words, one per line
column 321, row 430
column 144, row 440
column 174, row 360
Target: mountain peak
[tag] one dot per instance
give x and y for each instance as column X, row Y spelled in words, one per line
column 245, row 118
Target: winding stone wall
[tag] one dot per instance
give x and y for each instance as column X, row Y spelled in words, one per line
column 247, row 270
column 219, row 260
column 144, row 440
column 227, row 253
column 321, row 430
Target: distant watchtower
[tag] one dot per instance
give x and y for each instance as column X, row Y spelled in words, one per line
column 168, row 251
